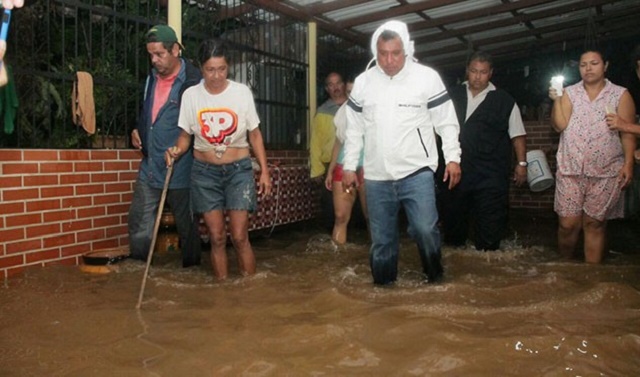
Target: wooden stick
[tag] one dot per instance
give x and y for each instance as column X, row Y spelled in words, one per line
column 155, row 233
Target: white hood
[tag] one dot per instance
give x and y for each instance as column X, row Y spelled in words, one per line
column 398, row 27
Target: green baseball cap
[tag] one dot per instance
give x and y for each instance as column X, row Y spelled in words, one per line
column 163, row 33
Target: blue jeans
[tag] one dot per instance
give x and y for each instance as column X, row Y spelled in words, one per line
column 142, row 218
column 416, row 194
column 223, row 187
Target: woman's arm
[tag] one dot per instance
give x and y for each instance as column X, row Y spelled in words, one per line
column 257, row 143
column 627, row 110
column 623, row 120
column 182, row 145
column 560, row 111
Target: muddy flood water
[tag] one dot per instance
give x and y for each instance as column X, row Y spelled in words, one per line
column 312, row 310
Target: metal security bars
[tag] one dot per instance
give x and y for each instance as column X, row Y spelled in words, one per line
column 50, row 40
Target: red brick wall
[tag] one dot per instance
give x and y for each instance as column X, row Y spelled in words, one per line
column 540, row 136
column 56, row 205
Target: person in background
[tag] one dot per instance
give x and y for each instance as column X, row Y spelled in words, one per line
column 156, row 131
column 394, row 112
column 621, row 124
column 221, row 116
column 632, row 82
column 323, row 135
column 594, row 162
column 4, row 75
column 616, row 123
column 343, row 201
column 490, row 128
column 9, row 4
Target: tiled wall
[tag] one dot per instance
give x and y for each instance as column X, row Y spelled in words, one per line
column 56, row 205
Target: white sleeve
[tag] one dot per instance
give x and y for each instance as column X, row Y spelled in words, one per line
column 445, row 121
column 354, row 141
column 253, row 121
column 516, row 126
column 340, row 121
column 188, row 114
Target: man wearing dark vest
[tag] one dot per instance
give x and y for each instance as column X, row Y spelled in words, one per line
column 490, row 125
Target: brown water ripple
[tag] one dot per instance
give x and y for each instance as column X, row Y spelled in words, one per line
column 312, row 311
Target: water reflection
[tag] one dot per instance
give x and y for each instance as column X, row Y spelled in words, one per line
column 312, row 311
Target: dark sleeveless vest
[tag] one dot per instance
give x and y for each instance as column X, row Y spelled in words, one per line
column 484, row 139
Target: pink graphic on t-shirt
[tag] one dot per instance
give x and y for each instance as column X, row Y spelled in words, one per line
column 216, row 125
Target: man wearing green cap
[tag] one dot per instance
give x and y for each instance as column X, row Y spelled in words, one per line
column 157, row 130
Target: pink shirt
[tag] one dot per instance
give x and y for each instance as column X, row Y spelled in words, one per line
column 163, row 88
column 587, row 146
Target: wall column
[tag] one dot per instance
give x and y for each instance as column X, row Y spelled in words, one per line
column 313, row 73
column 174, row 17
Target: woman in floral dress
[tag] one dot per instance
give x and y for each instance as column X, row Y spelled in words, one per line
column 595, row 163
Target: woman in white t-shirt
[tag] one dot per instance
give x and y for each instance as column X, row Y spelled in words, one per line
column 221, row 116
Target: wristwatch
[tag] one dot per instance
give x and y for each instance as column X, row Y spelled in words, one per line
column 523, row 163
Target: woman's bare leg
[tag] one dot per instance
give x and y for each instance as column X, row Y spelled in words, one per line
column 218, row 238
column 239, row 227
column 342, row 204
column 568, row 233
column 595, row 234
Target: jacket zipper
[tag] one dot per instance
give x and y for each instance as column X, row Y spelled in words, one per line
column 426, row 152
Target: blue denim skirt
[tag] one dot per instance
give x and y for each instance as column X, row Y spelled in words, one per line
column 223, row 187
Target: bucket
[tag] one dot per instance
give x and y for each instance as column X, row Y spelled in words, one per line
column 102, row 261
column 538, row 172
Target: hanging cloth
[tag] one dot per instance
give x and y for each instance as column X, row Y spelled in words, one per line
column 83, row 109
column 8, row 101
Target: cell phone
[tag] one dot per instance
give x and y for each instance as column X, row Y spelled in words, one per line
column 6, row 18
column 556, row 83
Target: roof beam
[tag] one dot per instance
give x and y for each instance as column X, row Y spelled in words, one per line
column 612, row 18
column 563, row 9
column 549, row 44
column 298, row 13
column 321, row 8
column 397, row 11
column 477, row 13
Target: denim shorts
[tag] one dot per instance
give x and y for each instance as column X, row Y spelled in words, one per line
column 223, row 187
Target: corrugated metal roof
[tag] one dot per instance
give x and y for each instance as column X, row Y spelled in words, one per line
column 445, row 29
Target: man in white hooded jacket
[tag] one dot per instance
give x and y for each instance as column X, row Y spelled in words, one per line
column 393, row 110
